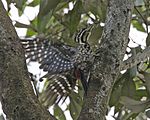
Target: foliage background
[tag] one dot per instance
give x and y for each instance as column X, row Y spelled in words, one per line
column 130, row 97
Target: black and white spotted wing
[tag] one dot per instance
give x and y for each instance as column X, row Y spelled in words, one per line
column 58, row 87
column 51, row 58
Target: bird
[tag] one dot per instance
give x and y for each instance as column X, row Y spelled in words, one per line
column 64, row 64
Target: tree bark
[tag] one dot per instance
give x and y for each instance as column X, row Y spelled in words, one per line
column 110, row 55
column 18, row 99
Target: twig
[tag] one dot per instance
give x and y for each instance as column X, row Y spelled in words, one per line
column 134, row 60
column 145, row 21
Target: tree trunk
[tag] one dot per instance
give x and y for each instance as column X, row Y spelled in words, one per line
column 18, row 99
column 110, row 55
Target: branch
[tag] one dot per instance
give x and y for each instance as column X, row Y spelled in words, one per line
column 18, row 99
column 134, row 60
column 111, row 51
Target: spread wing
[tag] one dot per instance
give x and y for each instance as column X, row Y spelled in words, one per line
column 54, row 58
column 58, row 88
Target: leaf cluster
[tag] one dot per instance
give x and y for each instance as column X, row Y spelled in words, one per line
column 59, row 20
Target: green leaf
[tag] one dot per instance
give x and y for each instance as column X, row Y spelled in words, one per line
column 95, row 35
column 115, row 95
column 45, row 13
column 138, row 25
column 75, row 96
column 81, row 92
column 141, row 93
column 62, row 4
column 129, row 88
column 20, row 4
column 124, row 86
column 30, row 33
column 58, row 113
column 133, row 71
column 116, row 92
column 42, row 22
column 34, row 3
column 73, row 17
column 97, row 7
column 134, row 105
column 34, row 24
column 148, row 40
column 31, row 29
column 147, row 81
column 46, row 6
column 75, row 109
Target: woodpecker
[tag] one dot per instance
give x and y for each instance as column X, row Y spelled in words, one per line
column 64, row 64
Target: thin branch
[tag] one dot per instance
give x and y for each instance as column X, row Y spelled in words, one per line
column 145, row 21
column 135, row 42
column 134, row 60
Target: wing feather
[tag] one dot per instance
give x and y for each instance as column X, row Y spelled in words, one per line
column 53, row 58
